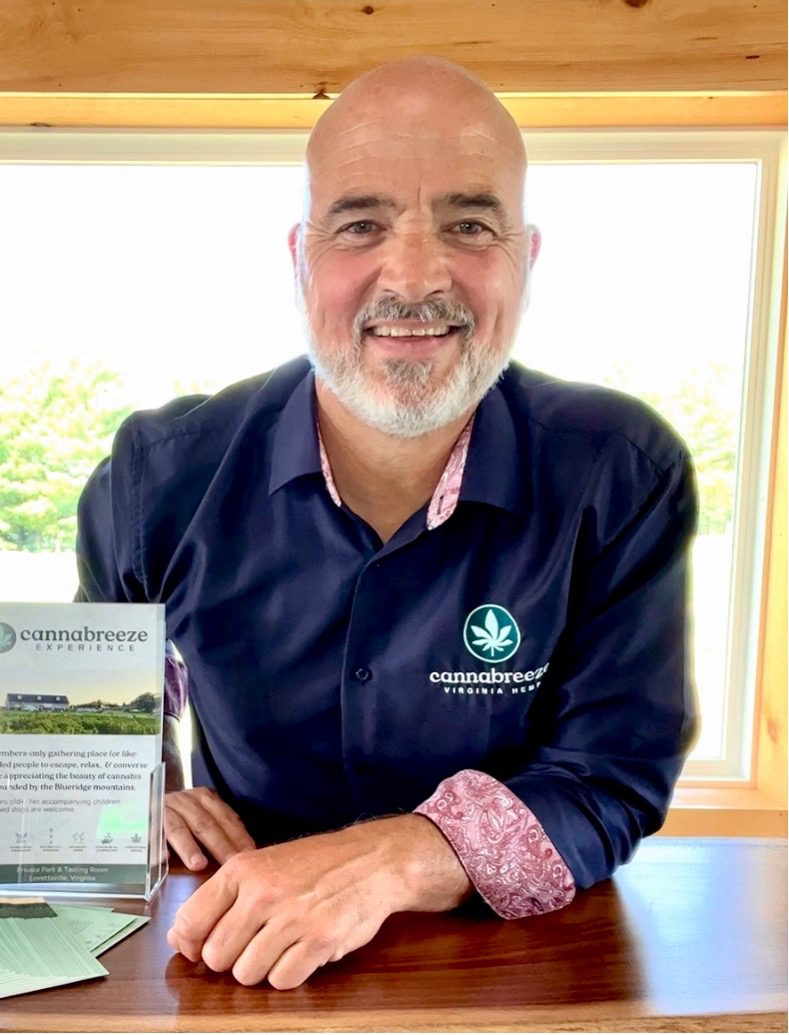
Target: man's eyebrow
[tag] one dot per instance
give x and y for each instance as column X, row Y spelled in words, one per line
column 483, row 200
column 357, row 202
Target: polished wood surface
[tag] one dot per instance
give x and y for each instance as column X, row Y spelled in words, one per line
column 690, row 936
column 310, row 46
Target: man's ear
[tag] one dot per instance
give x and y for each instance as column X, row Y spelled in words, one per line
column 293, row 245
column 535, row 241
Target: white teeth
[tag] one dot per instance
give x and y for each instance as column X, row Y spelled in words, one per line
column 411, row 332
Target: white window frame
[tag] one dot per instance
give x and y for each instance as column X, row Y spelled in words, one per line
column 766, row 148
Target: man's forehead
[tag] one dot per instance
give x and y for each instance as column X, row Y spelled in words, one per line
column 379, row 138
column 440, row 168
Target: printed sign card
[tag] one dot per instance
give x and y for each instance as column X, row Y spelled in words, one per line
column 81, row 780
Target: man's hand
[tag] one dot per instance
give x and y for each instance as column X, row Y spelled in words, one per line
column 199, row 817
column 282, row 912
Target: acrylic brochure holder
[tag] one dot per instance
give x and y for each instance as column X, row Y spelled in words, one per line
column 38, row 873
column 81, row 776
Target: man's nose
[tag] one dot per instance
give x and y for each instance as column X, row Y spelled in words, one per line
column 415, row 265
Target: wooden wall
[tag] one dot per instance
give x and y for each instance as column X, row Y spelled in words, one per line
column 771, row 733
column 310, row 47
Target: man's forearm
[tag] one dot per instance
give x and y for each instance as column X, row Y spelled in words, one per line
column 432, row 877
column 287, row 909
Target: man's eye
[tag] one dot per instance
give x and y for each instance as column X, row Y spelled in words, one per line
column 471, row 228
column 362, row 227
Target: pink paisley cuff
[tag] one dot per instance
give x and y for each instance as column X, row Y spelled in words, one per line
column 507, row 855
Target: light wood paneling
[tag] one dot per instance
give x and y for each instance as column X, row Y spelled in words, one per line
column 771, row 745
column 308, row 47
column 724, row 812
column 532, row 111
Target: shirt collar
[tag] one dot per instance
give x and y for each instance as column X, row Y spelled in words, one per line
column 482, row 467
column 494, row 471
column 295, row 447
column 445, row 497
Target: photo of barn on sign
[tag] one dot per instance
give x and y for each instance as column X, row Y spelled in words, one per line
column 36, row 703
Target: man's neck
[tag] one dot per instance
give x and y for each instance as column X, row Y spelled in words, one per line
column 382, row 478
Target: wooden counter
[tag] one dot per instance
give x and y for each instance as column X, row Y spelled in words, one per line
column 691, row 935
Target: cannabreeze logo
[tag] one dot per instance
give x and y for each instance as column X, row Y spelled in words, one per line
column 7, row 637
column 491, row 633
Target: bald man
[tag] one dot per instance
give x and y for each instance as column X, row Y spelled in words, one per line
column 432, row 604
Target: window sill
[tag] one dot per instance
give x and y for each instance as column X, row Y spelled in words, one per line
column 724, row 812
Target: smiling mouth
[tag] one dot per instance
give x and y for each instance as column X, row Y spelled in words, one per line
column 411, row 332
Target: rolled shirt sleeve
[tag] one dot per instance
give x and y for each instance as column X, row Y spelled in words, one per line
column 501, row 845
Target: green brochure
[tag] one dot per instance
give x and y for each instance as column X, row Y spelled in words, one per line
column 97, row 927
column 38, row 950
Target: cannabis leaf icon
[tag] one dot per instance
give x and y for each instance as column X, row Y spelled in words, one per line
column 7, row 637
column 493, row 637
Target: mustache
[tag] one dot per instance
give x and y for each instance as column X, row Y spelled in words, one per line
column 436, row 311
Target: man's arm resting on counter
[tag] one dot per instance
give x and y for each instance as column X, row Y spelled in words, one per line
column 283, row 911
column 517, row 872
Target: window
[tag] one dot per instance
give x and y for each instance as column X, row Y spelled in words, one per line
column 139, row 266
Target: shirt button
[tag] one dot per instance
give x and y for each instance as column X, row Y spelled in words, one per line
column 362, row 674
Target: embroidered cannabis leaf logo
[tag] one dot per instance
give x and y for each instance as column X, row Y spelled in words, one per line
column 492, row 638
column 7, row 637
column 491, row 633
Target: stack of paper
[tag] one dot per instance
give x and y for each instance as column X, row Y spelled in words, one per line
column 97, row 927
column 42, row 945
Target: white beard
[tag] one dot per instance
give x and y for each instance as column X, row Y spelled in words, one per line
column 410, row 401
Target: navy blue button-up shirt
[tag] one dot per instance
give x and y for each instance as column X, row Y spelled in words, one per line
column 538, row 634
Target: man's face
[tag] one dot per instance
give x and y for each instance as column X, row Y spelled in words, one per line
column 412, row 267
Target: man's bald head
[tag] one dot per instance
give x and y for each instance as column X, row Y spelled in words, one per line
column 419, row 93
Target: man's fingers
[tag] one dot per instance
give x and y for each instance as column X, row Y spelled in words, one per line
column 181, row 841
column 231, row 934
column 299, row 961
column 197, row 818
column 198, row 916
column 229, row 822
column 271, row 943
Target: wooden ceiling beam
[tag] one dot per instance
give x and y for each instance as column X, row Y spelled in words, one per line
column 311, row 47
